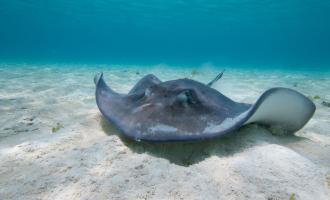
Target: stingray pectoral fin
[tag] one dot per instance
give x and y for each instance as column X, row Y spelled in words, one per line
column 282, row 109
column 97, row 77
column 101, row 86
column 109, row 102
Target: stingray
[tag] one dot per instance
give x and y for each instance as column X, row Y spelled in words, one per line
column 185, row 109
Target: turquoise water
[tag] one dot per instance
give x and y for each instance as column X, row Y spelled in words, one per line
column 50, row 51
column 285, row 34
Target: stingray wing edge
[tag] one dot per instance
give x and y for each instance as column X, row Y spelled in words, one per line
column 282, row 109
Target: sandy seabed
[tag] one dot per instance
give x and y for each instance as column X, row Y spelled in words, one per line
column 84, row 157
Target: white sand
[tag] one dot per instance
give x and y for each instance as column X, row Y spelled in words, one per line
column 88, row 160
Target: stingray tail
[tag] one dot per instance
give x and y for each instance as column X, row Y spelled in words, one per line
column 216, row 79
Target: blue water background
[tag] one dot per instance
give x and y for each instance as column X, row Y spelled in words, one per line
column 247, row 33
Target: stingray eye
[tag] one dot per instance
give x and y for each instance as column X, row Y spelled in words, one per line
column 186, row 97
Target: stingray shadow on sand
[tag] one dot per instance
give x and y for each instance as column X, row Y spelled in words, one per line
column 188, row 153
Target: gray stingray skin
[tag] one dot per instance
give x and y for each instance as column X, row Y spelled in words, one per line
column 185, row 109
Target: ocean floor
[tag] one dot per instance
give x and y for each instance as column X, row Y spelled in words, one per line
column 54, row 143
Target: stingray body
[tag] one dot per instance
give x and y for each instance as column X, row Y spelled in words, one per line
column 184, row 109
